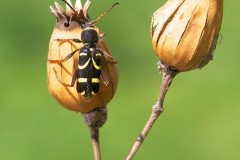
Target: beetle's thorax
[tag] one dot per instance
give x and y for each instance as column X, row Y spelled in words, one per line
column 89, row 36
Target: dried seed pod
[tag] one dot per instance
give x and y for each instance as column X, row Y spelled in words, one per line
column 68, row 27
column 185, row 32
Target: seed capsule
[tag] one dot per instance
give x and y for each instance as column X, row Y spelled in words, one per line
column 185, row 32
column 68, row 27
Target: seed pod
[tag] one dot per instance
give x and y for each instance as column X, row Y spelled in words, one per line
column 68, row 27
column 185, row 32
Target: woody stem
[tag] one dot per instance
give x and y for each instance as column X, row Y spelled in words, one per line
column 95, row 119
column 95, row 143
column 167, row 76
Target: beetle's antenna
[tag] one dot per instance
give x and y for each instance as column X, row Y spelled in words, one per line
column 104, row 13
column 69, row 5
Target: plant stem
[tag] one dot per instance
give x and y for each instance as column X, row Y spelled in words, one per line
column 95, row 143
column 95, row 119
column 167, row 76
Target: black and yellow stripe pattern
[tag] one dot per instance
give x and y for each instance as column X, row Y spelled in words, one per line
column 89, row 71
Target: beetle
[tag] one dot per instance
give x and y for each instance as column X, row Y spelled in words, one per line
column 88, row 72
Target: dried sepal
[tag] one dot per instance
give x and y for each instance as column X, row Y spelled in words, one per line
column 184, row 32
column 69, row 11
column 68, row 26
column 78, row 5
column 85, row 7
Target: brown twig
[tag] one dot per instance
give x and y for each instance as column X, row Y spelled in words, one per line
column 95, row 143
column 94, row 120
column 168, row 74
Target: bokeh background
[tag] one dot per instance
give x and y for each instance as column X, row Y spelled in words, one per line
column 202, row 108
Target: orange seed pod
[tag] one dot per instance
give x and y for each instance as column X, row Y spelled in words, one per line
column 67, row 28
column 185, row 32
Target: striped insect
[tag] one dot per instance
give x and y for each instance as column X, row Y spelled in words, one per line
column 88, row 72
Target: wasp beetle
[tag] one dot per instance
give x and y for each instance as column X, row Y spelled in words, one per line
column 88, row 72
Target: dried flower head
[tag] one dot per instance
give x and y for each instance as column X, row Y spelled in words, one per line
column 185, row 32
column 69, row 26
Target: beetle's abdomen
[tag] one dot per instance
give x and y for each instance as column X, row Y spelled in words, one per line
column 89, row 70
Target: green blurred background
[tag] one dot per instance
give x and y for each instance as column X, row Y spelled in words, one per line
column 202, row 109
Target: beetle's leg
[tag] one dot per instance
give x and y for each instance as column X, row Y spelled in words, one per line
column 104, row 79
column 76, row 40
column 107, row 56
column 70, row 55
column 67, row 40
column 61, row 41
column 63, row 60
column 74, row 77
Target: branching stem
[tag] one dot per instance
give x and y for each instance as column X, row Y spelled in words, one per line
column 167, row 76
